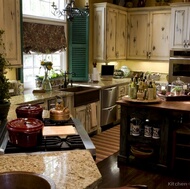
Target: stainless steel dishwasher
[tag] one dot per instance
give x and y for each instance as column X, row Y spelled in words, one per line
column 108, row 105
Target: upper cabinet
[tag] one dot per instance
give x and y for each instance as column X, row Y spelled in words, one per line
column 110, row 29
column 149, row 34
column 10, row 23
column 180, row 26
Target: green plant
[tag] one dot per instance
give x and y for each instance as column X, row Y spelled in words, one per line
column 4, row 63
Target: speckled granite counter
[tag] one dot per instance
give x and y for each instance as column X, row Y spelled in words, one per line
column 68, row 169
column 36, row 97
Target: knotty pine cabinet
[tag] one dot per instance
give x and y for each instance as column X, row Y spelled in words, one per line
column 84, row 114
column 10, row 23
column 110, row 29
column 180, row 26
column 148, row 34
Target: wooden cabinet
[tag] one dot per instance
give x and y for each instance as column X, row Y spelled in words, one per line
column 10, row 23
column 89, row 116
column 181, row 147
column 110, row 28
column 180, row 26
column 122, row 91
column 148, row 34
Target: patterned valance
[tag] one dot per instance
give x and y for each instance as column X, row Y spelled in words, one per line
column 43, row 38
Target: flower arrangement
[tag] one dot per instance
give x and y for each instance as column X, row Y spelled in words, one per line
column 46, row 85
column 47, row 65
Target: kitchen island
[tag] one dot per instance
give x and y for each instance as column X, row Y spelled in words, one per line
column 68, row 169
column 168, row 116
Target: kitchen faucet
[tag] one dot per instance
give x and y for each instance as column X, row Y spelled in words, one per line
column 66, row 82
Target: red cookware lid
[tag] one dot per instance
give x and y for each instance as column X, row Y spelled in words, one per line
column 29, row 108
column 25, row 124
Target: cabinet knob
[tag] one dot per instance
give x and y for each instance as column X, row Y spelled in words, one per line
column 148, row 55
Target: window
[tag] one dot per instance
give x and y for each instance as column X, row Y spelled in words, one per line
column 40, row 11
column 42, row 8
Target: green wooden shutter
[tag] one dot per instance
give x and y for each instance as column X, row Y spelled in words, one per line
column 78, row 39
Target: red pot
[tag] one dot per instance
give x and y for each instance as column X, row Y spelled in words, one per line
column 29, row 111
column 25, row 132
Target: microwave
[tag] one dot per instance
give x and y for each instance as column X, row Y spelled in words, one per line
column 179, row 65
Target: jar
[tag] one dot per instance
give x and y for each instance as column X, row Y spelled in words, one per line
column 29, row 111
column 135, row 126
column 147, row 128
column 25, row 132
column 156, row 131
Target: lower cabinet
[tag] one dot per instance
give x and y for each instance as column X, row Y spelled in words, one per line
column 181, row 147
column 89, row 116
column 122, row 91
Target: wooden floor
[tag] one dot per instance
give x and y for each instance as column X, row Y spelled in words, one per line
column 114, row 176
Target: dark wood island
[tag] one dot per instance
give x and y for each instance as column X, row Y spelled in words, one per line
column 172, row 118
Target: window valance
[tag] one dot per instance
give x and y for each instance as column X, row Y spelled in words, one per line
column 43, row 38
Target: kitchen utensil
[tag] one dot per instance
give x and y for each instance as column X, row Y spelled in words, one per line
column 29, row 111
column 125, row 70
column 59, row 130
column 59, row 113
column 25, row 132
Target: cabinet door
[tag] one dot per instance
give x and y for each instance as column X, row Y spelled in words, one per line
column 179, row 27
column 160, row 35
column 121, row 35
column 80, row 113
column 10, row 23
column 92, row 117
column 111, row 33
column 138, row 35
column 99, row 33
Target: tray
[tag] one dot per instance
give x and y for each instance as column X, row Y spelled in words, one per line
column 128, row 99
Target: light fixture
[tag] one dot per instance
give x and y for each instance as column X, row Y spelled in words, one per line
column 70, row 11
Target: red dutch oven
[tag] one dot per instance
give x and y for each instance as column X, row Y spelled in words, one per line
column 25, row 132
column 29, row 111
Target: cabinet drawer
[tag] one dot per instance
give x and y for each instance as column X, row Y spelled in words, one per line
column 108, row 115
column 109, row 96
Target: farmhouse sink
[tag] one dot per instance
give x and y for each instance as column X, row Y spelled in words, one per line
column 83, row 95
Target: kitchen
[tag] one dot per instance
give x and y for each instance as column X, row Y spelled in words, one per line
column 134, row 65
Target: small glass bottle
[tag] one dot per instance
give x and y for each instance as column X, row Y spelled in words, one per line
column 150, row 91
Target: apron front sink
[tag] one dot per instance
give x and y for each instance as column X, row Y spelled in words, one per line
column 83, row 95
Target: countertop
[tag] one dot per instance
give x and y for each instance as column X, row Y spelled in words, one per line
column 164, row 105
column 68, row 169
column 36, row 97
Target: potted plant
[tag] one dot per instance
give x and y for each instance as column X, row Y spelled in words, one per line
column 4, row 83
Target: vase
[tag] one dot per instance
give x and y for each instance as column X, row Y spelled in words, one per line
column 46, row 84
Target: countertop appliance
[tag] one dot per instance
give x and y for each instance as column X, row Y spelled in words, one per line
column 108, row 105
column 107, row 72
column 51, row 143
column 179, row 65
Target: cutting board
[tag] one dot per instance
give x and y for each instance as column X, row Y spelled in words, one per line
column 59, row 130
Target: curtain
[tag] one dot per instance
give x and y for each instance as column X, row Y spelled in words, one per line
column 43, row 38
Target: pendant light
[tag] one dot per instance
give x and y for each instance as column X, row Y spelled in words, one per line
column 70, row 11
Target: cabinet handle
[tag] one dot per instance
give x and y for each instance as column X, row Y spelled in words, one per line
column 184, row 43
column 117, row 54
column 148, row 55
column 187, row 44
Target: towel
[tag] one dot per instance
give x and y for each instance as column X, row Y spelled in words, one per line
column 93, row 115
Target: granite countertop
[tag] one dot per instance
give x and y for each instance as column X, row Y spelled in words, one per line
column 36, row 97
column 68, row 169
